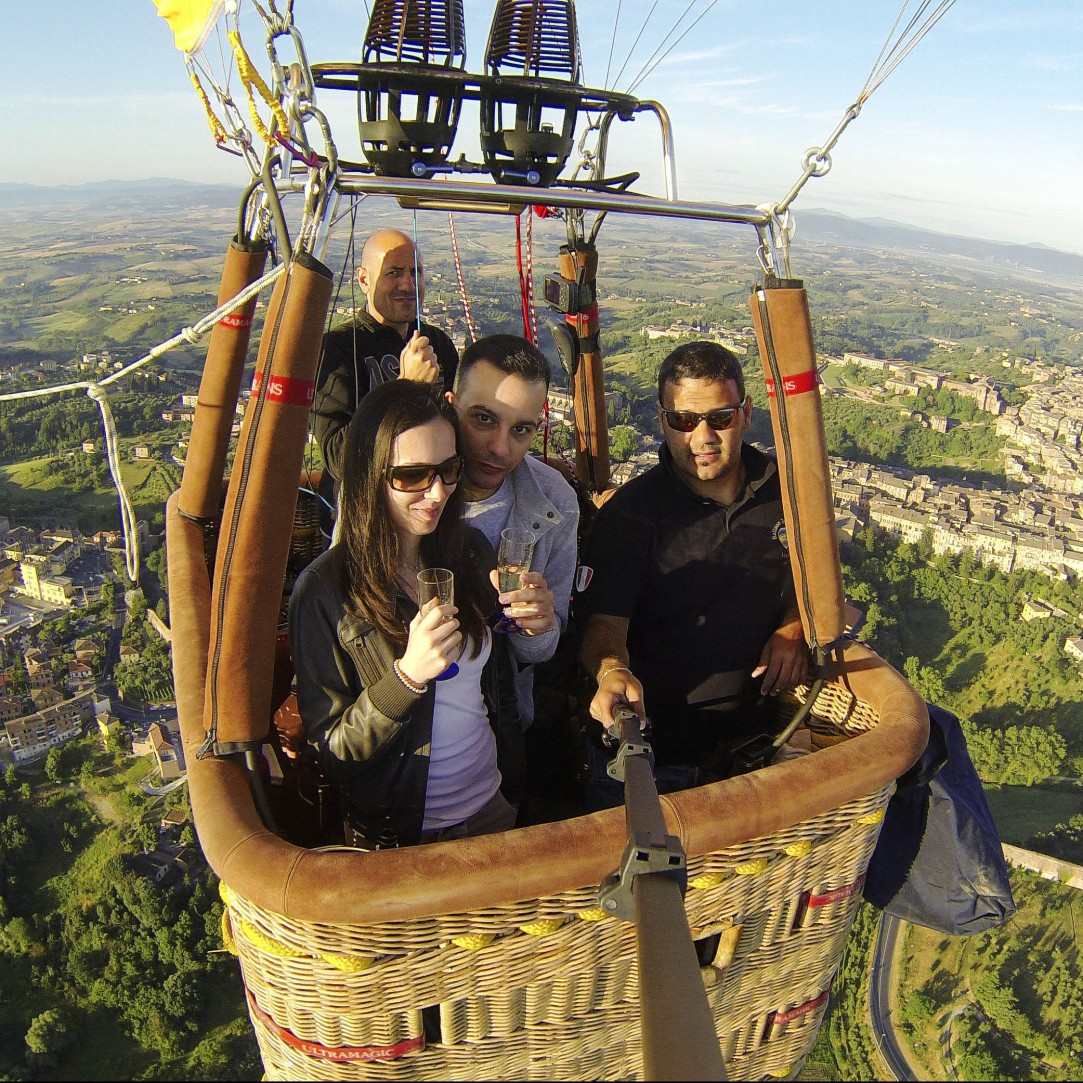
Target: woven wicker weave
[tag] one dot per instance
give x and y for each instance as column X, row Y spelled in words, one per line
column 548, row 988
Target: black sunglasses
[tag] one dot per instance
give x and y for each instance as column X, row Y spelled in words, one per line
column 418, row 477
column 688, row 421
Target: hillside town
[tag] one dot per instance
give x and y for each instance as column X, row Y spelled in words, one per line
column 51, row 694
column 62, row 613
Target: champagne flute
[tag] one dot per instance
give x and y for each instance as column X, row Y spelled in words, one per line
column 437, row 585
column 512, row 559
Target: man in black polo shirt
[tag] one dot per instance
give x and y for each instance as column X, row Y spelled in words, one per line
column 688, row 612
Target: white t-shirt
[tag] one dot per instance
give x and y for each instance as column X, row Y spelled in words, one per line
column 463, row 776
column 490, row 515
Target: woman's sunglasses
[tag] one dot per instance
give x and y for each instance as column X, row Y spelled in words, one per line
column 688, row 421
column 418, row 477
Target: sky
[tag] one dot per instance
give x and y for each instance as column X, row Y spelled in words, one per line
column 979, row 131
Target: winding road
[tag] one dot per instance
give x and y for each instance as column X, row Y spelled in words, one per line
column 882, row 981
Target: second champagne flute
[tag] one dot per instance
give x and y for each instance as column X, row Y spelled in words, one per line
column 512, row 559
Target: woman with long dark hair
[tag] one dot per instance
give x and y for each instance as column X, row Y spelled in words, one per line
column 415, row 759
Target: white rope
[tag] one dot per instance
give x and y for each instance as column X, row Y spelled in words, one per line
column 612, row 43
column 96, row 389
column 649, row 67
column 127, row 512
column 616, row 78
column 893, row 54
column 817, row 160
column 191, row 335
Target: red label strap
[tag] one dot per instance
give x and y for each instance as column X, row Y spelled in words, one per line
column 838, row 894
column 338, row 1052
column 237, row 320
column 285, row 390
column 778, row 1018
column 797, row 384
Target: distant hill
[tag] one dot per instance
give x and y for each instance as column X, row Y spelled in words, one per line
column 153, row 191
column 817, row 226
column 830, row 228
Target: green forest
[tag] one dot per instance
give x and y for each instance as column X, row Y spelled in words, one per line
column 955, row 629
column 1007, row 1003
column 103, row 973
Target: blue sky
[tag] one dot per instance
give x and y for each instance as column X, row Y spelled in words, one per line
column 979, row 131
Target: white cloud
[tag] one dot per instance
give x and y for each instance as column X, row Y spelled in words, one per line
column 716, row 53
column 1052, row 61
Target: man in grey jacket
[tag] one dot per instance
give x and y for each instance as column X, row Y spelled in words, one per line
column 500, row 392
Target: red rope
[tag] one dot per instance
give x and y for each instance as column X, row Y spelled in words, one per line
column 523, row 296
column 459, row 276
column 530, row 276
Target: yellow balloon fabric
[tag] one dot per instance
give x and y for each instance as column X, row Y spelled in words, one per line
column 190, row 20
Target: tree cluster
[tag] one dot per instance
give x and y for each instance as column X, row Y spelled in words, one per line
column 103, row 946
column 1015, row 710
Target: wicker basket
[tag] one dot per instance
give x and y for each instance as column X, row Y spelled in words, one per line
column 547, row 988
column 489, row 958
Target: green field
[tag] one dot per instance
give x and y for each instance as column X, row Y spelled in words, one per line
column 1023, row 811
column 30, row 492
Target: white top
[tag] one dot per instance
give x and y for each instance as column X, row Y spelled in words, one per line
column 463, row 776
column 491, row 515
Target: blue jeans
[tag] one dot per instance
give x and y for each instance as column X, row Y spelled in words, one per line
column 604, row 792
column 495, row 815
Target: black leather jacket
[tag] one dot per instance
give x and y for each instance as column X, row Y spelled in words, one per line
column 371, row 734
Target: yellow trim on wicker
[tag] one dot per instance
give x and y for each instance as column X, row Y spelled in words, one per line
column 349, row 964
column 473, row 941
column 253, row 80
column 541, row 928
column 227, row 934
column 707, row 879
column 268, row 944
column 872, row 818
column 591, row 915
column 798, row 848
column 751, row 868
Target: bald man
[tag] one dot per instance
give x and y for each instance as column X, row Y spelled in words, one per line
column 382, row 343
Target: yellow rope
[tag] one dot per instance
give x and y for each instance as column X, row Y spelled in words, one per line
column 473, row 941
column 217, row 128
column 541, row 928
column 798, row 849
column 751, row 868
column 252, row 79
column 268, row 944
column 349, row 964
column 227, row 934
column 591, row 915
column 872, row 818
column 707, row 879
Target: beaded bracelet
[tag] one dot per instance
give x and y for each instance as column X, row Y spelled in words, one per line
column 409, row 685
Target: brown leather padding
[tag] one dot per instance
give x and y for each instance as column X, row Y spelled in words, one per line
column 780, row 313
column 535, row 861
column 260, row 502
column 588, row 385
column 201, row 485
